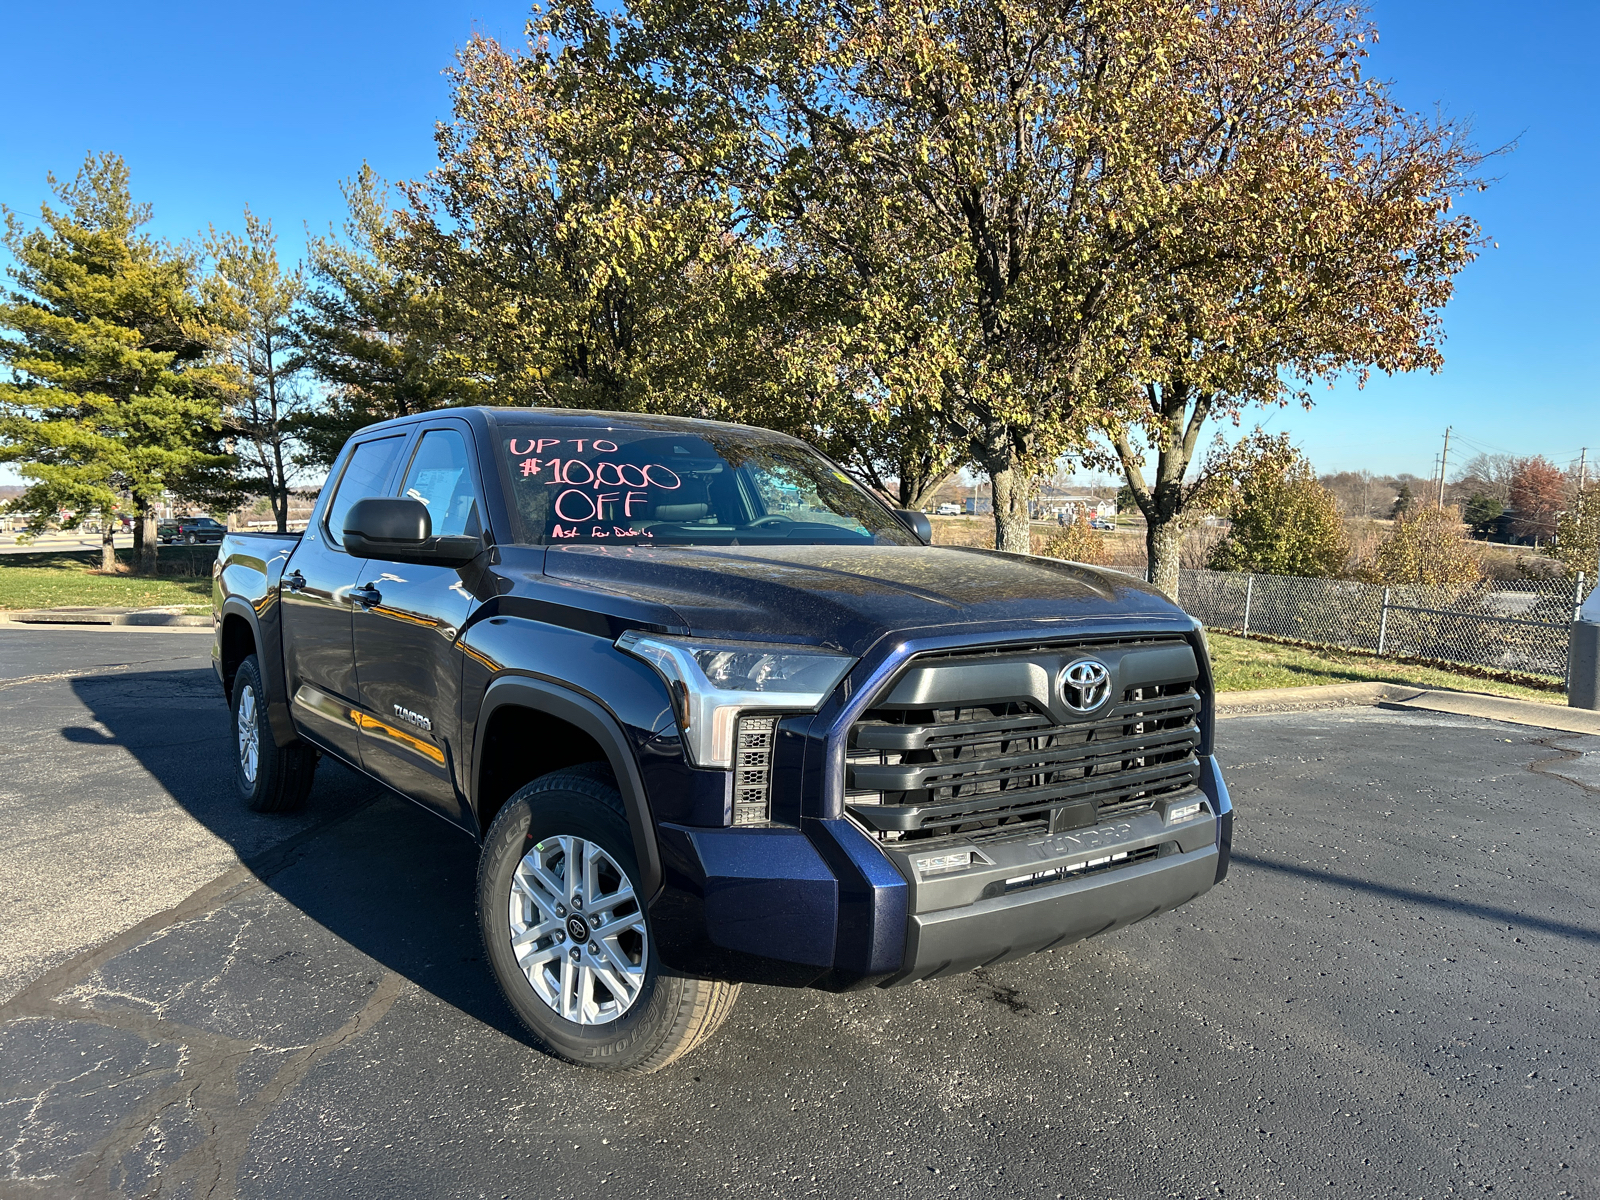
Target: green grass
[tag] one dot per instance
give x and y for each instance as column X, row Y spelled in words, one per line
column 70, row 581
column 1244, row 664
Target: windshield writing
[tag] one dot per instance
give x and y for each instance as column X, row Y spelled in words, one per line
column 645, row 486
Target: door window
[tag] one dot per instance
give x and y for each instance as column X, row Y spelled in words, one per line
column 364, row 475
column 441, row 477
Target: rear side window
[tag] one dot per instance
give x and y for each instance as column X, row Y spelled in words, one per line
column 364, row 475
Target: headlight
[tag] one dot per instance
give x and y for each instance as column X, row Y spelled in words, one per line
column 711, row 682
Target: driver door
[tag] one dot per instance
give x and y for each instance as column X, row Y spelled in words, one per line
column 405, row 625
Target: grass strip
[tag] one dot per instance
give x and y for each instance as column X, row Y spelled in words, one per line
column 1244, row 664
column 74, row 585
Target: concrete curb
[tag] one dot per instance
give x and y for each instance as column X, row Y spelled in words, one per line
column 1388, row 695
column 146, row 618
column 1297, row 699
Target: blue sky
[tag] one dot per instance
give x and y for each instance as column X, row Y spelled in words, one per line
column 216, row 106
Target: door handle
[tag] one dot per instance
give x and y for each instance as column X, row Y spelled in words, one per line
column 295, row 582
column 366, row 596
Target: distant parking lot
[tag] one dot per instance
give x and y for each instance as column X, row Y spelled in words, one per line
column 1394, row 994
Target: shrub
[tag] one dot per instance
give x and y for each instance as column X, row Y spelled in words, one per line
column 1578, row 534
column 1079, row 542
column 1428, row 547
column 1284, row 521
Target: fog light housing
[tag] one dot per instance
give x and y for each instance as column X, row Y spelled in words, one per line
column 955, row 860
column 752, row 769
column 1182, row 812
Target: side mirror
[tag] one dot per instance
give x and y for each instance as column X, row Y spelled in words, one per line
column 400, row 530
column 917, row 522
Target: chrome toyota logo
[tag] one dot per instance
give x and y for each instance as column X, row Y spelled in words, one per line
column 1085, row 685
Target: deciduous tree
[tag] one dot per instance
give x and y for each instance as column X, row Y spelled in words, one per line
column 256, row 299
column 1301, row 226
column 372, row 330
column 1538, row 493
column 1578, row 534
column 1428, row 547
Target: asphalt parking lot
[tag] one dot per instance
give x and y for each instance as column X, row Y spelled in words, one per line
column 1394, row 993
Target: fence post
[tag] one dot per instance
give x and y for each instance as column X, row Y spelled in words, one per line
column 1577, row 597
column 1383, row 623
column 1249, row 590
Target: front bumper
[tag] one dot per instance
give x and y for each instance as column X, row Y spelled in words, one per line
column 826, row 906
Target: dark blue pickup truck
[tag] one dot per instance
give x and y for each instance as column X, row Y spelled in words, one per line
column 715, row 714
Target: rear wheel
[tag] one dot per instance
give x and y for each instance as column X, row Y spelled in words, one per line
column 269, row 777
column 568, row 937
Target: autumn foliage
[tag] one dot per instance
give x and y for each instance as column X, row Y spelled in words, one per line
column 1080, row 542
column 1428, row 547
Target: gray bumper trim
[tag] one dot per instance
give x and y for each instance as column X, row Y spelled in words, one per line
column 951, row 941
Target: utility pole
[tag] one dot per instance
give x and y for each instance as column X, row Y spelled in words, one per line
column 1583, row 468
column 1443, row 459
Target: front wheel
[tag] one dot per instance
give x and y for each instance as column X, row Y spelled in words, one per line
column 269, row 777
column 568, row 937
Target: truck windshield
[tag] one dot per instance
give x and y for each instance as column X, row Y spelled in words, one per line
column 642, row 486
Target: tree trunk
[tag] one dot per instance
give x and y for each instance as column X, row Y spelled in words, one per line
column 1009, row 486
column 1163, row 544
column 280, row 482
column 138, row 536
column 147, row 550
column 108, row 552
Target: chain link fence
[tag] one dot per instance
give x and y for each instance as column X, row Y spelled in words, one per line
column 1504, row 625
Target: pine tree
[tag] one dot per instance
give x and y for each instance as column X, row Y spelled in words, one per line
column 113, row 389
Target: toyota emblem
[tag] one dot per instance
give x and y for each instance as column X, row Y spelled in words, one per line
column 1085, row 685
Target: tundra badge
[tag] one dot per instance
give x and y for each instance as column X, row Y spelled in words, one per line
column 417, row 719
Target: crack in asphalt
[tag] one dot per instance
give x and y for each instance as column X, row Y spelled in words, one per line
column 208, row 1091
column 1563, row 754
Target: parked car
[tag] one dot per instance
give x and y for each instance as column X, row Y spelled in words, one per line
column 1103, row 524
column 191, row 531
column 700, row 742
column 949, row 510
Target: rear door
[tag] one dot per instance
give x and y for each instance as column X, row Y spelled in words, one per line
column 318, row 655
column 405, row 631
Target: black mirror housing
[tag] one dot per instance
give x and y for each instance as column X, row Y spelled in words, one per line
column 400, row 530
column 917, row 522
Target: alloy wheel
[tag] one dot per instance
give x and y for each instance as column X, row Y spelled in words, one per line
column 577, row 930
column 249, row 735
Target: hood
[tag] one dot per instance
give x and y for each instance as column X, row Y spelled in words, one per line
column 847, row 597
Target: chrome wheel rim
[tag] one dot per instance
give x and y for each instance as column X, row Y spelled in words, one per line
column 249, row 735
column 577, row 930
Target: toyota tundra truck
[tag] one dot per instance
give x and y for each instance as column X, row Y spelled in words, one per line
column 714, row 713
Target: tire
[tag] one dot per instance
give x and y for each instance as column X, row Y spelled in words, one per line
column 269, row 778
column 619, row 1020
column 188, row 539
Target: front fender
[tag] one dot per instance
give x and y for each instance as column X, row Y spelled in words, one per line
column 588, row 715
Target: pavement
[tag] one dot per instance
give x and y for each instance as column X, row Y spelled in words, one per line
column 1392, row 994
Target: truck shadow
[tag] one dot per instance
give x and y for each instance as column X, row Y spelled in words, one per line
column 392, row 881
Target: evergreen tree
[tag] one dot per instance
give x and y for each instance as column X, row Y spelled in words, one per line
column 1402, row 502
column 1482, row 512
column 113, row 391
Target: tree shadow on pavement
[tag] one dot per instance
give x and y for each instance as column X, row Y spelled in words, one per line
column 394, row 882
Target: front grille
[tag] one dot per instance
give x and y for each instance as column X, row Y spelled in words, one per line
column 1000, row 767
